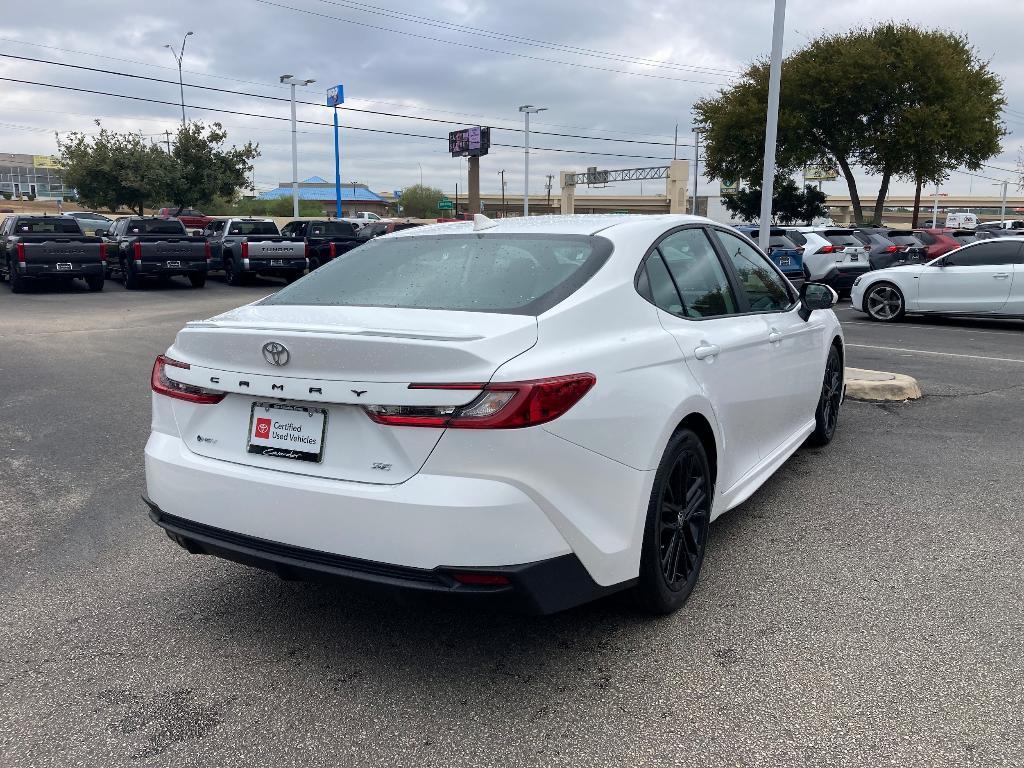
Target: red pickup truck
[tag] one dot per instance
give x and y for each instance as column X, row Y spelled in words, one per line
column 190, row 217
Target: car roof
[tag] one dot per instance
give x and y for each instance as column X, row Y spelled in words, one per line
column 572, row 224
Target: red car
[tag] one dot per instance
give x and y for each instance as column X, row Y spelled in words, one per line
column 190, row 217
column 942, row 241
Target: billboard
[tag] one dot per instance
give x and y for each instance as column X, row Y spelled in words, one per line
column 46, row 161
column 335, row 96
column 817, row 173
column 469, row 142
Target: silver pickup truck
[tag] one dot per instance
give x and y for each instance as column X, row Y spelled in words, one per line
column 247, row 247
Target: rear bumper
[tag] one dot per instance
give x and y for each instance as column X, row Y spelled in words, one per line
column 274, row 266
column 542, row 587
column 50, row 270
column 841, row 276
column 162, row 268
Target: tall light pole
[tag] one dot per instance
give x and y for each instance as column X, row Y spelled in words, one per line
column 1002, row 210
column 293, row 81
column 179, row 57
column 527, row 110
column 421, row 173
column 771, row 126
column 502, row 174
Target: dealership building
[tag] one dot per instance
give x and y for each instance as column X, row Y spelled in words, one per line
column 31, row 176
column 354, row 196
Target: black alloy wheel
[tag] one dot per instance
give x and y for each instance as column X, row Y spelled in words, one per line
column 678, row 518
column 826, row 417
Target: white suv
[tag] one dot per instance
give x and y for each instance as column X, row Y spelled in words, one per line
column 832, row 256
column 548, row 409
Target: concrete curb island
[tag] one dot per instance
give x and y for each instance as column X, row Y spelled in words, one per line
column 862, row 384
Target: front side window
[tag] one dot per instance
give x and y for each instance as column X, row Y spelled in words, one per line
column 511, row 274
column 994, row 253
column 766, row 290
column 698, row 274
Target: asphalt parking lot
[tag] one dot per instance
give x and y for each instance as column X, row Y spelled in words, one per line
column 864, row 608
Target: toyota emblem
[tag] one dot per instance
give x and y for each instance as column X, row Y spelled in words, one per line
column 276, row 353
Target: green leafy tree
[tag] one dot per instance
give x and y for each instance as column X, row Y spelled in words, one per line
column 111, row 169
column 205, row 168
column 420, row 202
column 896, row 100
column 790, row 204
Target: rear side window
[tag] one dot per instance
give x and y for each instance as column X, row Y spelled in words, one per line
column 993, row 253
column 63, row 225
column 508, row 273
column 156, row 227
column 697, row 273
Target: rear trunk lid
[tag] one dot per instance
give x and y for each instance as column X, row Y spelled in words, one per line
column 334, row 361
column 270, row 247
column 53, row 249
column 161, row 248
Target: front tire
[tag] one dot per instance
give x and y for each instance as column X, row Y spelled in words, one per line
column 884, row 302
column 197, row 279
column 826, row 416
column 676, row 532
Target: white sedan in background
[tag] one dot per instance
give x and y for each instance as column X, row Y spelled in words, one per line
column 982, row 278
column 549, row 409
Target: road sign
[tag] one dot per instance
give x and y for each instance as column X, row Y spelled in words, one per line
column 728, row 187
column 445, row 205
column 817, row 173
column 335, row 95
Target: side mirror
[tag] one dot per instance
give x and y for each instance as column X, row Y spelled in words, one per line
column 816, row 296
column 102, row 232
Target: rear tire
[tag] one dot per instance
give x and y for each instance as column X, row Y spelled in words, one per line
column 95, row 282
column 197, row 279
column 676, row 532
column 132, row 281
column 18, row 283
column 826, row 416
column 232, row 274
column 884, row 302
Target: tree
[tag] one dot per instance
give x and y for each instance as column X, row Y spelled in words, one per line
column 420, row 202
column 896, row 100
column 205, row 169
column 790, row 204
column 110, row 169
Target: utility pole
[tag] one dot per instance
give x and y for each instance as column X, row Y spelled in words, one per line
column 502, row 174
column 167, row 135
column 1002, row 210
column 675, row 144
column 935, row 208
column 527, row 110
column 292, row 81
column 455, row 213
column 179, row 57
column 771, row 126
column 550, row 177
column 696, row 164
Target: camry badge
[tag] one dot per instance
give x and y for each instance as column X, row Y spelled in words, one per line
column 276, row 353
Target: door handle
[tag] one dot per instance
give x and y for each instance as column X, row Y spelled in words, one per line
column 706, row 350
column 1001, row 275
column 774, row 336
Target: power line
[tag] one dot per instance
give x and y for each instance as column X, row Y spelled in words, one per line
column 504, row 37
column 313, row 122
column 482, row 48
column 316, row 104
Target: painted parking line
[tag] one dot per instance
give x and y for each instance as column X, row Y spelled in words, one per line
column 958, row 329
column 942, row 354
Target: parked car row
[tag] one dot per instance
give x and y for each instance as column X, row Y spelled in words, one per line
column 135, row 249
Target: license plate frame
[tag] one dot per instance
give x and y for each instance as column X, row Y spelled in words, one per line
column 173, row 265
column 277, row 262
column 288, row 452
column 65, row 266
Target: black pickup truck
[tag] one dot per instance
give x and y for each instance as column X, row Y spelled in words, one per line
column 324, row 238
column 149, row 246
column 49, row 246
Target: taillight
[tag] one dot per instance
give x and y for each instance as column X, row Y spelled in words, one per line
column 480, row 578
column 838, row 248
column 504, row 405
column 891, row 249
column 208, row 251
column 245, row 250
column 103, row 252
column 137, row 248
column 827, row 249
column 334, row 250
column 21, row 253
column 307, row 250
column 162, row 385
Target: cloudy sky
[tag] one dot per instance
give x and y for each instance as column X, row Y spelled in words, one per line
column 621, row 73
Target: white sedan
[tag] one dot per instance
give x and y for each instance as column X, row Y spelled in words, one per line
column 549, row 409
column 982, row 278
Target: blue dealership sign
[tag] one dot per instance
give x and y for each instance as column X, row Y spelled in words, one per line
column 335, row 96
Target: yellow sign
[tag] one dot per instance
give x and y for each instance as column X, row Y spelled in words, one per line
column 46, row 161
column 817, row 173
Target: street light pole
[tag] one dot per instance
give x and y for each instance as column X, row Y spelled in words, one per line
column 771, row 126
column 527, row 110
column 1002, row 210
column 179, row 57
column 292, row 81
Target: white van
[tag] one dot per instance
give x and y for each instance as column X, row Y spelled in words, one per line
column 961, row 221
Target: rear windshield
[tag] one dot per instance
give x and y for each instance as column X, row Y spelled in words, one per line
column 904, row 238
column 779, row 241
column 62, row 225
column 332, row 229
column 843, row 238
column 253, row 228
column 511, row 274
column 965, row 237
column 155, row 227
